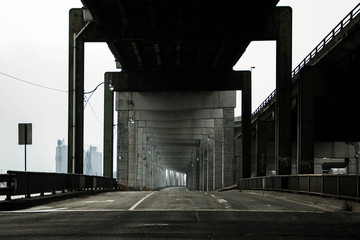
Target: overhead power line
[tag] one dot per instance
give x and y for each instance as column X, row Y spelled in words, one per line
column 34, row 84
column 58, row 90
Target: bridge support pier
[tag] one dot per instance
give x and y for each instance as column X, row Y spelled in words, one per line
column 306, row 120
column 264, row 135
column 283, row 146
column 76, row 93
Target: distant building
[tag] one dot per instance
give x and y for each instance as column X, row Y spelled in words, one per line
column 92, row 160
column 61, row 157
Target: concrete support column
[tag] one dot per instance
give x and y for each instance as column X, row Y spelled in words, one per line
column 227, row 166
column 198, row 170
column 139, row 156
column 305, row 121
column 211, row 163
column 238, row 158
column 123, row 148
column 283, row 91
column 148, row 163
column 246, row 128
column 218, row 171
column 108, row 130
column 132, row 174
column 202, row 165
column 76, row 94
column 264, row 131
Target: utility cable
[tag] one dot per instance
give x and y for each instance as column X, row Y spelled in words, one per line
column 97, row 118
column 34, row 84
column 58, row 90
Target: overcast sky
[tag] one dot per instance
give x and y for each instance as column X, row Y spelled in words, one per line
column 34, row 48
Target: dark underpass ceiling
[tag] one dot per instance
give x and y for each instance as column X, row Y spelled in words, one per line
column 181, row 35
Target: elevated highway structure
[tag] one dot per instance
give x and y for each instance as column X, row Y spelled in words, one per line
column 324, row 99
column 176, row 88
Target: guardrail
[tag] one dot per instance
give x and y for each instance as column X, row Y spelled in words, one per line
column 340, row 186
column 346, row 20
column 269, row 100
column 26, row 183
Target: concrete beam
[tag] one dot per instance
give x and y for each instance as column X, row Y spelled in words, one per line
column 177, row 81
column 177, row 115
column 144, row 101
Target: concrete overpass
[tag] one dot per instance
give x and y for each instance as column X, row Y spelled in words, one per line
column 324, row 128
column 175, row 91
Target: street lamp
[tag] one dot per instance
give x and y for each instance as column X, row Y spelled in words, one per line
column 111, row 87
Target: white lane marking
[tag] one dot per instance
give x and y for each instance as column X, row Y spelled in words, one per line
column 137, row 204
column 151, row 225
column 222, row 201
column 99, row 201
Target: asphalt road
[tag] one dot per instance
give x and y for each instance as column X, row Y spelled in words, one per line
column 176, row 213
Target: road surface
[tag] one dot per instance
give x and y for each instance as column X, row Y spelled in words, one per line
column 177, row 213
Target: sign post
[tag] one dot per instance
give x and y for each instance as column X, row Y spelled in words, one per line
column 25, row 136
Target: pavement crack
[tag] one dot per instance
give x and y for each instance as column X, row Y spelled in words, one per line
column 197, row 216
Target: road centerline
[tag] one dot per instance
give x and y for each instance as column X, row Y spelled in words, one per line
column 140, row 201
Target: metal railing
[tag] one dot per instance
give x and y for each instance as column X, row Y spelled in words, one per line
column 340, row 186
column 312, row 55
column 26, row 183
column 268, row 101
column 327, row 39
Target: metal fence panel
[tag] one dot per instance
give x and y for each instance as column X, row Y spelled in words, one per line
column 330, row 184
column 315, row 184
column 348, row 186
column 344, row 186
column 27, row 183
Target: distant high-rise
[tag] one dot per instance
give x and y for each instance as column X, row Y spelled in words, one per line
column 61, row 157
column 92, row 160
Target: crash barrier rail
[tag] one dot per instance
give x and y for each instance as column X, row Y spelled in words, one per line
column 268, row 101
column 344, row 22
column 341, row 186
column 26, row 183
column 312, row 55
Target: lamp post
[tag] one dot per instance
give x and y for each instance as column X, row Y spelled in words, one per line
column 108, row 125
